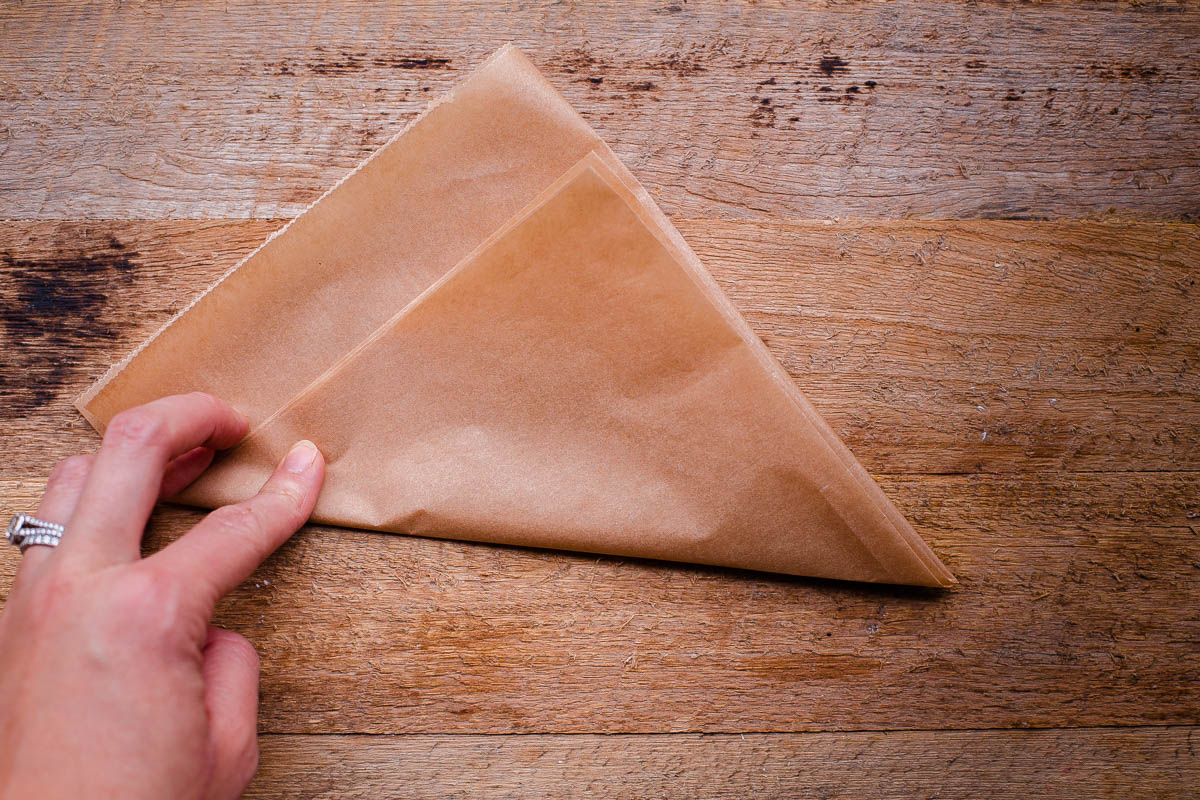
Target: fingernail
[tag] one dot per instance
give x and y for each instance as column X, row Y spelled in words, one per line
column 300, row 457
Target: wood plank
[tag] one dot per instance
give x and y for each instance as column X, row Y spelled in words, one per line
column 766, row 110
column 1077, row 606
column 1147, row 763
column 929, row 346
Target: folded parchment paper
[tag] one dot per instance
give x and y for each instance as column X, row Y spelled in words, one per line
column 493, row 333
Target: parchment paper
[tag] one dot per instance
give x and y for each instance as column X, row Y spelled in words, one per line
column 492, row 333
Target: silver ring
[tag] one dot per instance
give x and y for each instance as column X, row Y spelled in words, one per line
column 25, row 531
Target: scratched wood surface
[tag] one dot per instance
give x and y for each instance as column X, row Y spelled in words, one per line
column 1075, row 609
column 1018, row 367
column 1117, row 763
column 811, row 109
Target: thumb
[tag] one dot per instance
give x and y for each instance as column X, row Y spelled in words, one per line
column 231, row 698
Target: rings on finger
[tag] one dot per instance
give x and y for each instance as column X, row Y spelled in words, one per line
column 25, row 531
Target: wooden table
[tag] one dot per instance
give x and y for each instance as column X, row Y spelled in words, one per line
column 967, row 229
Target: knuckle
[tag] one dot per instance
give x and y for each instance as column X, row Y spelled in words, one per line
column 203, row 398
column 238, row 520
column 70, row 472
column 137, row 426
column 289, row 493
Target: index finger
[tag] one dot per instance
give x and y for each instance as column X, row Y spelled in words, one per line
column 124, row 483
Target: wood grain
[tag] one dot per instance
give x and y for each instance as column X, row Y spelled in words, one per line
column 1076, row 607
column 930, row 347
column 1026, row 391
column 1123, row 764
column 765, row 110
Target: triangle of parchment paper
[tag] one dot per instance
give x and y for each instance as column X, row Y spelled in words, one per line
column 303, row 307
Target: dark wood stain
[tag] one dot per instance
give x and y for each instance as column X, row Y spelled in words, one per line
column 1143, row 73
column 763, row 115
column 412, row 62
column 348, row 62
column 579, row 59
column 832, row 64
column 52, row 314
column 679, row 63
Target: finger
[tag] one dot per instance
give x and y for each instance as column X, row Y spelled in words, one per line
column 185, row 469
column 129, row 469
column 65, row 485
column 228, row 544
column 63, row 488
column 231, row 698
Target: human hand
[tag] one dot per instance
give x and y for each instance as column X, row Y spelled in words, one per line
column 112, row 681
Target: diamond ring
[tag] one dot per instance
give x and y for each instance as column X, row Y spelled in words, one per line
column 25, row 531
